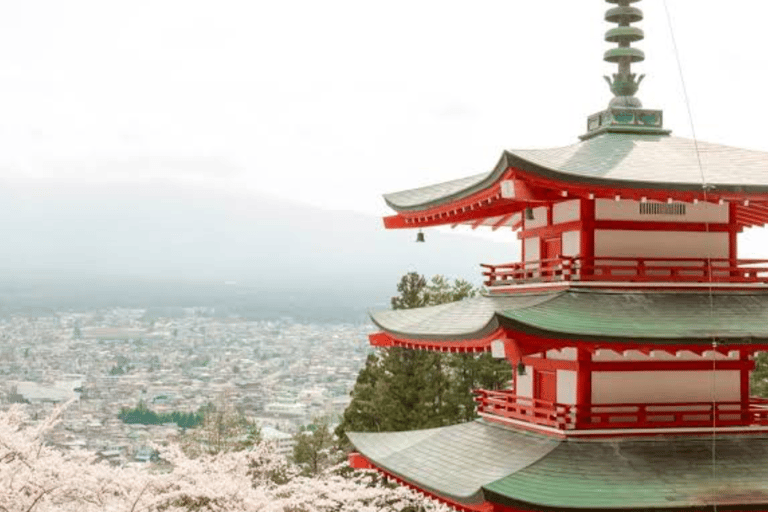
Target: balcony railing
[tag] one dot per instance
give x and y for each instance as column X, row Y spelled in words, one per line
column 640, row 270
column 507, row 405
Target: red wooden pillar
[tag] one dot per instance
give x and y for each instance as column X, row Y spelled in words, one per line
column 587, row 233
column 583, row 385
column 542, row 239
column 744, row 374
column 733, row 232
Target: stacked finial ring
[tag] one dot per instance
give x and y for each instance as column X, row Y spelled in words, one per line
column 624, row 84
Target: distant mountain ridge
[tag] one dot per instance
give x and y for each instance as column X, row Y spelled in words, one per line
column 94, row 238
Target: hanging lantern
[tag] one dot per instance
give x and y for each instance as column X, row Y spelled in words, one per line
column 520, row 368
column 529, row 213
column 420, row 236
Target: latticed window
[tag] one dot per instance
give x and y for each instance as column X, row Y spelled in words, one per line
column 662, row 209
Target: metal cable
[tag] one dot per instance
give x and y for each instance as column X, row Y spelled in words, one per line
column 705, row 188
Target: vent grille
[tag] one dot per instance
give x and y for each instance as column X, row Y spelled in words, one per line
column 662, row 209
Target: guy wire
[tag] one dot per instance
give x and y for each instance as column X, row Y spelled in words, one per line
column 705, row 190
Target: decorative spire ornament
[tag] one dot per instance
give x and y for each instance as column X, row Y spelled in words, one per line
column 625, row 112
column 625, row 83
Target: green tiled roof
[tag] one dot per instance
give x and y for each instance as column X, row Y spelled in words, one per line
column 655, row 473
column 479, row 461
column 597, row 315
column 613, row 160
column 591, row 315
column 454, row 462
column 468, row 319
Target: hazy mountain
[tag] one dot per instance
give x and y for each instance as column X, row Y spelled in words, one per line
column 175, row 245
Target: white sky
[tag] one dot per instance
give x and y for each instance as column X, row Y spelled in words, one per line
column 335, row 102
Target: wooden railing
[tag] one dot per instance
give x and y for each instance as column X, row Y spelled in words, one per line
column 507, row 405
column 617, row 269
column 540, row 412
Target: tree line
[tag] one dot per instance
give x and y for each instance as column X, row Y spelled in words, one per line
column 402, row 389
column 141, row 414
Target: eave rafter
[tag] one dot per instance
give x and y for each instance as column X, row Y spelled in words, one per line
column 482, row 208
column 751, row 214
column 516, row 190
column 748, row 200
column 384, row 339
column 518, row 345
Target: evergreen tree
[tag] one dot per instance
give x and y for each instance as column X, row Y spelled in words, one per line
column 312, row 450
column 401, row 389
column 413, row 292
column 759, row 377
column 364, row 412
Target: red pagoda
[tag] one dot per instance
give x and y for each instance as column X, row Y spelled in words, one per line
column 630, row 321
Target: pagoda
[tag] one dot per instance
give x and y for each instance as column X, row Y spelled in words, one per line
column 630, row 321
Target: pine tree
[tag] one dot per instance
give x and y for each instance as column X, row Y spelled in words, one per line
column 363, row 412
column 401, row 389
column 759, row 377
column 313, row 446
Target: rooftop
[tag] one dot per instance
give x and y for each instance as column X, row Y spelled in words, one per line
column 475, row 462
column 595, row 315
column 612, row 160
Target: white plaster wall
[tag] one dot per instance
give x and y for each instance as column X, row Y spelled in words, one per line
column 660, row 244
column 607, row 209
column 567, row 211
column 532, row 249
column 566, row 387
column 571, row 243
column 665, row 387
column 566, row 354
column 658, row 355
column 539, row 218
column 525, row 383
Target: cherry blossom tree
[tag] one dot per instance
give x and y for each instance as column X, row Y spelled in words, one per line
column 35, row 477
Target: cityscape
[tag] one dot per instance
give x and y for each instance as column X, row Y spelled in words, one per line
column 279, row 373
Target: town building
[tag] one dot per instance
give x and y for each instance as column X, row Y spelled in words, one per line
column 630, row 320
column 281, row 442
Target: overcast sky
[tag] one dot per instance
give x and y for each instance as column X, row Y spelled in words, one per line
column 334, row 102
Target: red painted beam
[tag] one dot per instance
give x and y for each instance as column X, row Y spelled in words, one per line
column 523, row 187
column 495, row 208
column 641, row 366
column 549, row 231
column 755, row 216
column 380, row 339
column 358, row 461
column 660, row 226
column 478, row 223
column 757, row 207
column 502, row 221
column 384, row 339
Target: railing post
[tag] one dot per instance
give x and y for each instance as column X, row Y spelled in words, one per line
column 588, row 268
column 492, row 275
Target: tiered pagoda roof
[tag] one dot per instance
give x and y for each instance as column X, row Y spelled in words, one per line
column 677, row 314
column 630, row 165
column 477, row 463
column 589, row 315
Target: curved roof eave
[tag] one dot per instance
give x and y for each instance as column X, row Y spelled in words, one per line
column 734, row 318
column 468, row 319
column 612, row 161
column 724, row 339
column 423, row 198
column 445, row 460
column 625, row 474
column 477, row 461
